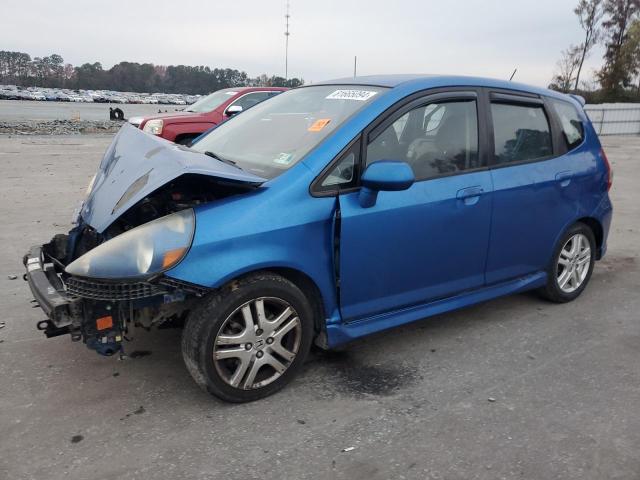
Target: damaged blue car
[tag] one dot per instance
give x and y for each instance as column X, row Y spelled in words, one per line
column 327, row 213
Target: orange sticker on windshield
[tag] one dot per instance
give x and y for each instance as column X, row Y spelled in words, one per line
column 319, row 124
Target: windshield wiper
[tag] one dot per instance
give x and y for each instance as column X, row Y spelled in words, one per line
column 223, row 160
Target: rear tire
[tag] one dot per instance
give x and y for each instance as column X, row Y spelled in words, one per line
column 571, row 266
column 250, row 339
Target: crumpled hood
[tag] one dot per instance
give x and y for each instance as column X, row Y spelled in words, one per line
column 136, row 164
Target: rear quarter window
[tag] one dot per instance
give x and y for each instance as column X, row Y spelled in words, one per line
column 572, row 127
column 521, row 133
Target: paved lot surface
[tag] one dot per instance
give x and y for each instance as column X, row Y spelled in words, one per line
column 17, row 110
column 413, row 402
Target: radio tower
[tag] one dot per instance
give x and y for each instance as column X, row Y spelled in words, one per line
column 286, row 43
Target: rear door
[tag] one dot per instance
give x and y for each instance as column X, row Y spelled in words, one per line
column 427, row 242
column 535, row 188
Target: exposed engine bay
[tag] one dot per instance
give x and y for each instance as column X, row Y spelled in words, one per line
column 187, row 191
column 141, row 181
column 101, row 312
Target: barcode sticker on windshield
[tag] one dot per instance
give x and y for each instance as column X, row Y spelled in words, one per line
column 359, row 95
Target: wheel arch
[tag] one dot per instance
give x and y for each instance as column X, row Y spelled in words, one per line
column 309, row 288
column 598, row 232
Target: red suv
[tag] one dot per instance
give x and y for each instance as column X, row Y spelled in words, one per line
column 183, row 126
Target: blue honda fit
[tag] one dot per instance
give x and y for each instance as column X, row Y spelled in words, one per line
column 327, row 213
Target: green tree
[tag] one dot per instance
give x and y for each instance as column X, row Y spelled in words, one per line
column 630, row 52
column 90, row 76
column 615, row 74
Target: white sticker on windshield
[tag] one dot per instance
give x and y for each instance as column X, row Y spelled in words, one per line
column 359, row 95
column 284, row 159
column 231, row 93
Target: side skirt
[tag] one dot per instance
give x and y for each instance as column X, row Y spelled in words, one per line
column 346, row 332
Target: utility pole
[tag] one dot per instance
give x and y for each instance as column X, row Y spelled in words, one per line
column 286, row 43
column 355, row 66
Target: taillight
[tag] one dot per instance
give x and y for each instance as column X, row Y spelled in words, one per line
column 609, row 171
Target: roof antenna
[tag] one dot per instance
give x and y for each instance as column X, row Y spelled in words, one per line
column 513, row 74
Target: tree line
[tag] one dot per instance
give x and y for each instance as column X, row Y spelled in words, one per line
column 18, row 68
column 615, row 24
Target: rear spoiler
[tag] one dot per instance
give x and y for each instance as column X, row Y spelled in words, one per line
column 579, row 99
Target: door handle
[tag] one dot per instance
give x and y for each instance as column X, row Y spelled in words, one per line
column 470, row 195
column 564, row 178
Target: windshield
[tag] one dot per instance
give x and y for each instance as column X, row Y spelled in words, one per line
column 276, row 134
column 211, row 102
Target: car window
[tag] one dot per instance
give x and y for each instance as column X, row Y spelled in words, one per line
column 250, row 99
column 521, row 133
column 436, row 139
column 342, row 173
column 211, row 102
column 572, row 128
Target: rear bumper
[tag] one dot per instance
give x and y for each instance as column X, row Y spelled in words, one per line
column 603, row 213
column 46, row 288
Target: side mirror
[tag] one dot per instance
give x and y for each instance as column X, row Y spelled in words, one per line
column 384, row 175
column 233, row 110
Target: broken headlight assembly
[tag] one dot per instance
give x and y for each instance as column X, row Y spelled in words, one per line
column 142, row 251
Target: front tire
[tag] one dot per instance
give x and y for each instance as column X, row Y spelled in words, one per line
column 572, row 264
column 250, row 339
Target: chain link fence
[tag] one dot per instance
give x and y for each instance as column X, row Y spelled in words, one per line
column 615, row 119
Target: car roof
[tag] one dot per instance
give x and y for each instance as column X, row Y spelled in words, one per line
column 249, row 89
column 425, row 81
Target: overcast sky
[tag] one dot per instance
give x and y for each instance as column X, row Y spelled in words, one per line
column 470, row 37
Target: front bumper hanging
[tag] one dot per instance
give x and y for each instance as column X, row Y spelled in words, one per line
column 97, row 311
column 46, row 287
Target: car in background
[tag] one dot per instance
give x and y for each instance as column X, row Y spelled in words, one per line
column 184, row 126
column 36, row 95
column 14, row 92
column 25, row 95
column 9, row 95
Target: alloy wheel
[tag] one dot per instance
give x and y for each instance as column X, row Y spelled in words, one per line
column 257, row 343
column 573, row 263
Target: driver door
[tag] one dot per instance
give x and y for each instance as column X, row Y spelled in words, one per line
column 430, row 241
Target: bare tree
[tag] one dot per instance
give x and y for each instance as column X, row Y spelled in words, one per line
column 566, row 69
column 589, row 13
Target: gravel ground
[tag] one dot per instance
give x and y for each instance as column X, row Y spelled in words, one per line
column 513, row 388
column 58, row 127
column 20, row 117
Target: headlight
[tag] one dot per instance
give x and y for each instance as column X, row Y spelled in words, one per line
column 150, row 248
column 153, row 127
